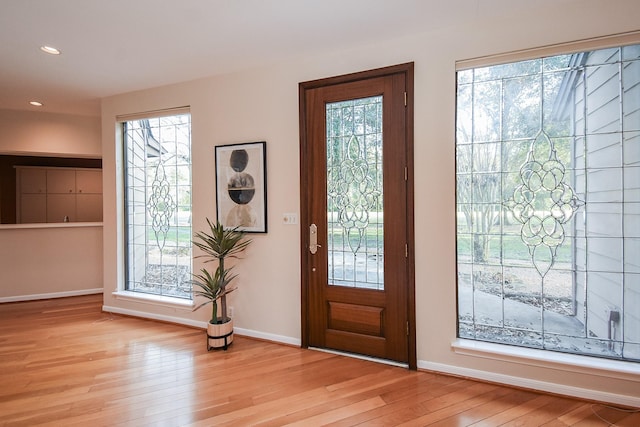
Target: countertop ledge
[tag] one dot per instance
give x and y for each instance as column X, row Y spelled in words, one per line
column 50, row 225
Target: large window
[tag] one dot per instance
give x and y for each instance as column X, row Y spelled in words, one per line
column 548, row 203
column 158, row 205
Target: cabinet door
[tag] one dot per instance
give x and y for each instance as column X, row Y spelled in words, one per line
column 60, row 181
column 89, row 207
column 88, row 181
column 59, row 206
column 33, row 208
column 33, row 181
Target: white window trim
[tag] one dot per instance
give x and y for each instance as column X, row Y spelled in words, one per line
column 122, row 293
column 615, row 40
column 570, row 362
column 153, row 114
column 157, row 300
column 607, row 368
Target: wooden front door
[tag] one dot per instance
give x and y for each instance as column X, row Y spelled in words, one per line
column 356, row 217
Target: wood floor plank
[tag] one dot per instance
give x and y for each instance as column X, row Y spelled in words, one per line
column 554, row 409
column 412, row 403
column 596, row 414
column 65, row 363
column 340, row 413
column 515, row 412
column 366, row 388
column 454, row 410
column 487, row 409
column 630, row 420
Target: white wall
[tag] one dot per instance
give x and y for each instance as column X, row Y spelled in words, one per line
column 42, row 134
column 49, row 261
column 262, row 104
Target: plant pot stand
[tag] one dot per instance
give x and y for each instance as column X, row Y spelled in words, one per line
column 219, row 335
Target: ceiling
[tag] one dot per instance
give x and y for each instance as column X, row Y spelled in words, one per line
column 117, row 46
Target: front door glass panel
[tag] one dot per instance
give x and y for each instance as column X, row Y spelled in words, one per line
column 355, row 225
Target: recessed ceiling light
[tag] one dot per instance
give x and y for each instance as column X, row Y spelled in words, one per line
column 50, row 50
column 35, row 103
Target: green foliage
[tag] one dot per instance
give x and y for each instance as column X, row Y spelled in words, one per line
column 219, row 243
column 212, row 288
column 500, row 111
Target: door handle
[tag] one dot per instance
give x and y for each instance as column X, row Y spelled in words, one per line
column 313, row 239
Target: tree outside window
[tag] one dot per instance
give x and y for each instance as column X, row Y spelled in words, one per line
column 548, row 203
column 158, row 205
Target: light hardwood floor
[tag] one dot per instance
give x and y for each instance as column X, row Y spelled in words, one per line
column 65, row 363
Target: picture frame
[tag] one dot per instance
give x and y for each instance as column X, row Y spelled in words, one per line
column 241, row 186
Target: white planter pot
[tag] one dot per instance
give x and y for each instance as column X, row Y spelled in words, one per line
column 219, row 335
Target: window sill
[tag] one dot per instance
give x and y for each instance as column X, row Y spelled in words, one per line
column 159, row 300
column 549, row 359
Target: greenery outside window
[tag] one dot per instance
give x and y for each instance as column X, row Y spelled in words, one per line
column 157, row 174
column 548, row 203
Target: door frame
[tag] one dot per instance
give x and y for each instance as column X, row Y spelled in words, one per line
column 305, row 215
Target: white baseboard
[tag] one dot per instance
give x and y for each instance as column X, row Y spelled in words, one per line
column 583, row 393
column 268, row 337
column 64, row 294
column 203, row 325
column 154, row 316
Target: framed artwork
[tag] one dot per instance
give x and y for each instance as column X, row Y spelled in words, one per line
column 241, row 186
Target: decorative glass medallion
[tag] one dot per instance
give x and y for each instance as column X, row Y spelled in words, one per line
column 162, row 206
column 354, row 193
column 543, row 203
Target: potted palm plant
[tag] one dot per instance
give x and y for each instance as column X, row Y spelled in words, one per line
column 218, row 244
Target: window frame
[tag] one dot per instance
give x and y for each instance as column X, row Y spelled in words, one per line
column 122, row 292
column 508, row 352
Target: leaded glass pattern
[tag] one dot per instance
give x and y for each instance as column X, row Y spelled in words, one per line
column 354, row 193
column 548, row 203
column 158, row 205
column 543, row 203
